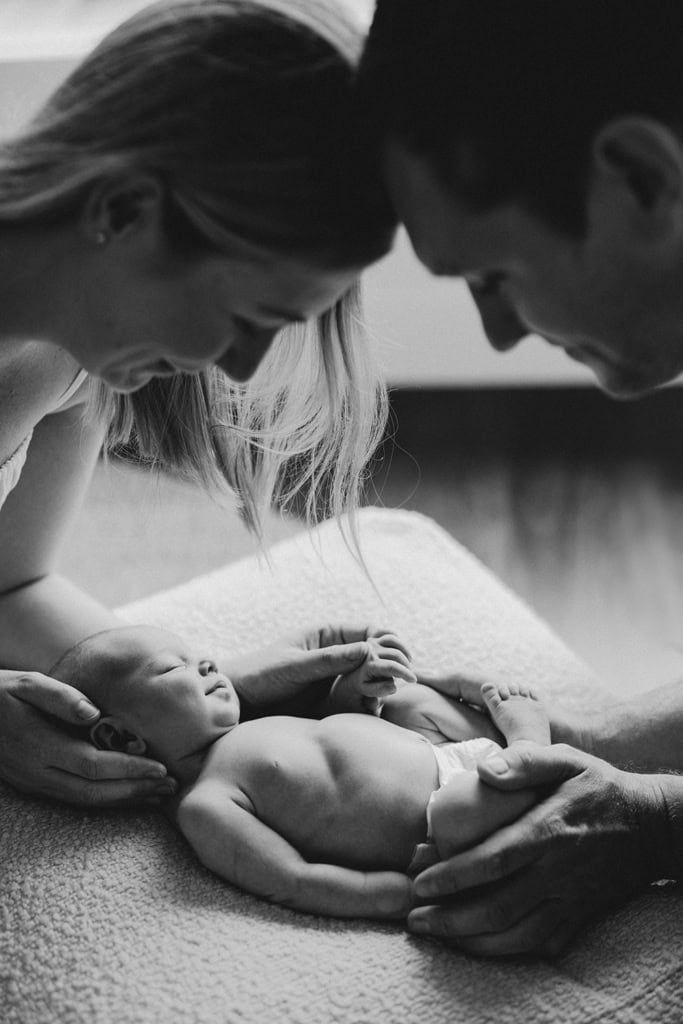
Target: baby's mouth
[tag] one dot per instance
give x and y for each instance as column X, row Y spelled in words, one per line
column 218, row 685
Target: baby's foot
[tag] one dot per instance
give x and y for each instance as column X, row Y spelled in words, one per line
column 515, row 710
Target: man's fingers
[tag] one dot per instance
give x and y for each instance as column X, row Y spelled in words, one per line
column 527, row 764
column 506, row 851
column 497, row 909
column 452, row 684
column 527, row 935
column 54, row 698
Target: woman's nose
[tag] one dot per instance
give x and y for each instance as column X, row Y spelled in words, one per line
column 242, row 359
column 502, row 325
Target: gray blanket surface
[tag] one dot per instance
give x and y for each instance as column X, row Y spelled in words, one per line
column 108, row 917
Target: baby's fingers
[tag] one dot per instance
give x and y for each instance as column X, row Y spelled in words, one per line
column 387, row 668
column 385, row 638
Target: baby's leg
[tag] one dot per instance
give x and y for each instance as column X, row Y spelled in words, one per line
column 515, row 710
column 466, row 811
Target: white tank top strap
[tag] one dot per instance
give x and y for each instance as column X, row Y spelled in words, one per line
column 72, row 389
column 10, row 470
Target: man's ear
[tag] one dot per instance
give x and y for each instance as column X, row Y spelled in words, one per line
column 108, row 734
column 645, row 159
column 122, row 206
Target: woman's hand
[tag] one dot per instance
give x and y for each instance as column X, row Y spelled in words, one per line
column 599, row 836
column 43, row 752
column 285, row 670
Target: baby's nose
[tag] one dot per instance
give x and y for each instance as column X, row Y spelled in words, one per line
column 206, row 667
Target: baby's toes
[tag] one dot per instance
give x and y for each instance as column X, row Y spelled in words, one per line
column 490, row 694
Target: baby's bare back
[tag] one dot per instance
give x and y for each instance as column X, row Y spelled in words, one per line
column 350, row 789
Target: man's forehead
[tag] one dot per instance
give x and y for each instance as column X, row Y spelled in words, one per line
column 429, row 212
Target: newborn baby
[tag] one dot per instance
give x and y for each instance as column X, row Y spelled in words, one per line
column 294, row 809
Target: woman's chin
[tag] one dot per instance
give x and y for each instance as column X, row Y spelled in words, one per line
column 126, row 385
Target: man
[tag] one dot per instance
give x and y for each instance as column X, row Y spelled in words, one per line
column 535, row 148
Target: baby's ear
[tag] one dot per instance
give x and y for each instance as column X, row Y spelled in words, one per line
column 108, row 734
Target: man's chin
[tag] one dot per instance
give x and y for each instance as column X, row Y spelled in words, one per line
column 620, row 382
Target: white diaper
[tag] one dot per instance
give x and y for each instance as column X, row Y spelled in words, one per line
column 454, row 758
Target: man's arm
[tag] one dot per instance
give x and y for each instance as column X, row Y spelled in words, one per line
column 598, row 836
column 642, row 734
column 233, row 843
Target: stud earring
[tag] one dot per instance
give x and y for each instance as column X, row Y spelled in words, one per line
column 101, row 238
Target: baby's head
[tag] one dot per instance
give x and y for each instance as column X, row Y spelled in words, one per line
column 156, row 696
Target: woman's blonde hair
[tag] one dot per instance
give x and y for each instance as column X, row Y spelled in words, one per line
column 244, row 109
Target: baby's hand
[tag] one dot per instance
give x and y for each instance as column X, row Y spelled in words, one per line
column 363, row 689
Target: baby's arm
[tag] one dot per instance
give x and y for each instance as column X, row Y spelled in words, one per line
column 231, row 841
column 435, row 716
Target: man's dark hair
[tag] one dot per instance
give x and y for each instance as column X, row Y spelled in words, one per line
column 524, row 84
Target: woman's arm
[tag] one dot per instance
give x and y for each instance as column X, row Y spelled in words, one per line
column 41, row 616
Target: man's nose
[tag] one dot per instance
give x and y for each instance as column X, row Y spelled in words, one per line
column 502, row 325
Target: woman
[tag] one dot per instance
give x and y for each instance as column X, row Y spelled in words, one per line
column 191, row 190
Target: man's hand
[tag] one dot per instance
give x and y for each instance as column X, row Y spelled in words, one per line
column 438, row 718
column 597, row 837
column 581, row 731
column 43, row 752
column 285, row 670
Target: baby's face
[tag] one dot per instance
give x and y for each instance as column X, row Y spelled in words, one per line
column 178, row 702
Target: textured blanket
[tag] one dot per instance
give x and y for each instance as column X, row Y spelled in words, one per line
column 107, row 917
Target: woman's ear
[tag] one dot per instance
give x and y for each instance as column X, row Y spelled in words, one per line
column 643, row 159
column 130, row 204
column 108, row 734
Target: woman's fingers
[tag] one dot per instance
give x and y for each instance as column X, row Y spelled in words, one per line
column 107, row 792
column 41, row 752
column 53, row 698
column 329, row 661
